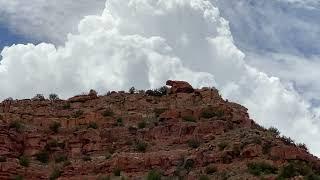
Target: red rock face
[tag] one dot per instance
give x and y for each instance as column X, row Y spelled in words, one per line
column 180, row 87
column 180, row 135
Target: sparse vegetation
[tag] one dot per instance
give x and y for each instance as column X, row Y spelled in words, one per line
column 38, row 97
column 211, row 169
column 43, row 156
column 3, row 159
column 132, row 129
column 93, row 125
column 189, row 118
column 77, row 114
column 158, row 92
column 222, row 145
column 60, row 158
column 141, row 146
column 107, row 113
column 117, row 172
column 18, row 126
column 159, row 111
column 9, row 99
column 274, row 131
column 108, row 155
column 266, row 147
column 297, row 168
column 53, row 97
column 132, row 90
column 194, row 143
column 104, row 178
column 189, row 164
column 18, row 177
column 66, row 163
column 204, row 177
column 142, row 125
column 56, row 173
column 303, row 146
column 211, row 112
column 154, row 175
column 261, row 168
column 119, row 122
column 287, row 140
column 24, row 161
column 66, row 105
column 54, row 144
column 86, row 158
column 55, row 126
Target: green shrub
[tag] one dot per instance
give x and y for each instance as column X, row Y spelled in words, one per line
column 154, row 175
column 194, row 143
column 18, row 177
column 204, row 177
column 261, row 168
column 60, row 158
column 117, row 172
column 142, row 125
column 93, row 125
column 53, row 97
column 86, row 158
column 189, row 164
column 38, row 97
column 222, row 145
column 287, row 140
column 24, row 161
column 312, row 177
column 77, row 114
column 66, row 163
column 211, row 169
column 16, row 125
column 266, row 147
column 274, row 131
column 295, row 168
column 132, row 129
column 159, row 111
column 256, row 140
column 66, row 106
column 43, row 156
column 189, row 118
column 303, row 146
column 119, row 122
column 54, row 143
column 108, row 155
column 56, row 173
column 211, row 112
column 236, row 150
column 141, row 146
column 107, row 113
column 132, row 90
column 3, row 159
column 104, row 178
column 55, row 126
column 162, row 91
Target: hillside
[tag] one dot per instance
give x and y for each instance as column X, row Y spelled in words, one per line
column 177, row 133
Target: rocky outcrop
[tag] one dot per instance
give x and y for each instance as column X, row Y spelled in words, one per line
column 180, row 87
column 186, row 134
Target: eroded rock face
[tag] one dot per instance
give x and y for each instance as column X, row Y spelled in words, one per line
column 179, row 134
column 180, row 87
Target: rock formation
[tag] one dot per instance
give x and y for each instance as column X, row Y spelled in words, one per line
column 180, row 87
column 188, row 134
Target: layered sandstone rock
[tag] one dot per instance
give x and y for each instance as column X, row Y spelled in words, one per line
column 181, row 134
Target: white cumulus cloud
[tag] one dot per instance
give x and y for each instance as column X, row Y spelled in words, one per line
column 145, row 42
column 46, row 20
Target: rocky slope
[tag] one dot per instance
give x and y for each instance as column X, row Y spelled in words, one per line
column 180, row 133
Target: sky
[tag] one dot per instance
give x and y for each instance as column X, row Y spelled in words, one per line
column 263, row 54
